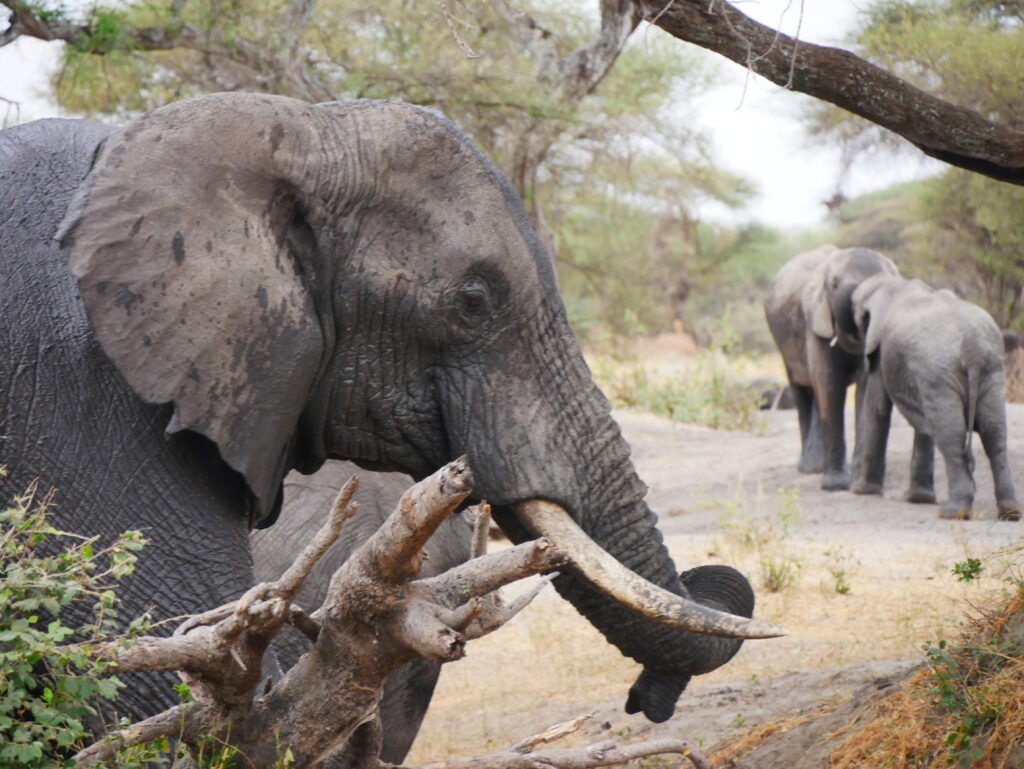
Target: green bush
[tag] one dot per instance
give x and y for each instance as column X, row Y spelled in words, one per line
column 703, row 394
column 43, row 571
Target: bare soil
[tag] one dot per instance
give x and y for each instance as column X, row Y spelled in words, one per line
column 860, row 582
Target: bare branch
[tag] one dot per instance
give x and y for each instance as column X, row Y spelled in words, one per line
column 185, row 721
column 481, row 529
column 376, row 619
column 27, row 21
column 290, row 583
column 577, row 74
column 423, row 629
column 499, row 613
column 392, row 554
column 599, row 754
column 581, row 71
column 492, row 571
column 958, row 136
column 551, row 734
column 450, row 21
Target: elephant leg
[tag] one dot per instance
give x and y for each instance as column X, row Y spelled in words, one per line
column 922, row 470
column 875, row 418
column 811, row 455
column 860, row 395
column 952, row 442
column 990, row 422
column 403, row 706
column 832, row 371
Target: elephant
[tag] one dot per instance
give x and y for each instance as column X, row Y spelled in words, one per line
column 811, row 320
column 940, row 360
column 238, row 285
column 307, row 503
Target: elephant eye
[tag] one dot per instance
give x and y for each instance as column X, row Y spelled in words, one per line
column 473, row 301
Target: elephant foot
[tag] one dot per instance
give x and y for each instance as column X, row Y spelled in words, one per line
column 1009, row 510
column 835, row 482
column 920, row 496
column 955, row 511
column 809, row 467
column 867, row 487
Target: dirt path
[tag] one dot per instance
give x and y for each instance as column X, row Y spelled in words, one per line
column 862, row 583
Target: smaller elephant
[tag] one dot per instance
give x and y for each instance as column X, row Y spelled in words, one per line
column 307, row 503
column 810, row 316
column 940, row 360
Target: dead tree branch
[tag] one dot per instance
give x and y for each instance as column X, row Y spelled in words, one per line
column 375, row 618
column 958, row 136
column 598, row 754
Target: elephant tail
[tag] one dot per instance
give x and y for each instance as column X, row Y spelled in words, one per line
column 973, row 377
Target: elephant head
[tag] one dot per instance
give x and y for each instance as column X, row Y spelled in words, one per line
column 827, row 295
column 870, row 302
column 356, row 281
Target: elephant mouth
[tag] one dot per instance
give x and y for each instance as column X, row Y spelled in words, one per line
column 629, row 589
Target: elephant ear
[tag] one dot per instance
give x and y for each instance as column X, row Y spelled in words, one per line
column 870, row 304
column 188, row 244
column 817, row 309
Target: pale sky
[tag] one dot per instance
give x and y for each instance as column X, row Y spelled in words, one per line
column 754, row 124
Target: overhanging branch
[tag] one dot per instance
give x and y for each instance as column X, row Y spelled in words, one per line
column 958, row 136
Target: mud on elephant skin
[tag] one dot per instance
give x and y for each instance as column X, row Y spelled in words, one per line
column 809, row 312
column 940, row 360
column 238, row 285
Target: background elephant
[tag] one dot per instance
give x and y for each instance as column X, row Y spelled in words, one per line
column 239, row 285
column 307, row 503
column 940, row 360
column 810, row 316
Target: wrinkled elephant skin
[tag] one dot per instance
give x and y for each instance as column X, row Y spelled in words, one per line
column 238, row 285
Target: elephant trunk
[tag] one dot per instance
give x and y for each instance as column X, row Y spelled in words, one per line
column 563, row 446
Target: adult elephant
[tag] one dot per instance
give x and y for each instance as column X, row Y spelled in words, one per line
column 238, row 285
column 810, row 316
column 940, row 360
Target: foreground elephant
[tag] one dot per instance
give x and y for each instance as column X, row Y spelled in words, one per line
column 940, row 360
column 811, row 319
column 239, row 285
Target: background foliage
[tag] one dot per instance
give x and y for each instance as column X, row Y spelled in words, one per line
column 49, row 686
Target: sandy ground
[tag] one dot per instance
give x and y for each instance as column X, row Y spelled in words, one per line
column 861, row 583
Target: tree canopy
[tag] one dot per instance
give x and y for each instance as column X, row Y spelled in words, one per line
column 963, row 230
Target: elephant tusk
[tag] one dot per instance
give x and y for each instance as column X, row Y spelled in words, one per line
column 833, row 341
column 631, row 590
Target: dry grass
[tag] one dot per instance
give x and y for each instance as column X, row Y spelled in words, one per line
column 967, row 708
column 550, row 664
column 1015, row 376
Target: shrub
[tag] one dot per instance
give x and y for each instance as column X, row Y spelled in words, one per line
column 43, row 571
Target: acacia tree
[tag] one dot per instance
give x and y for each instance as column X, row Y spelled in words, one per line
column 963, row 229
column 566, row 107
